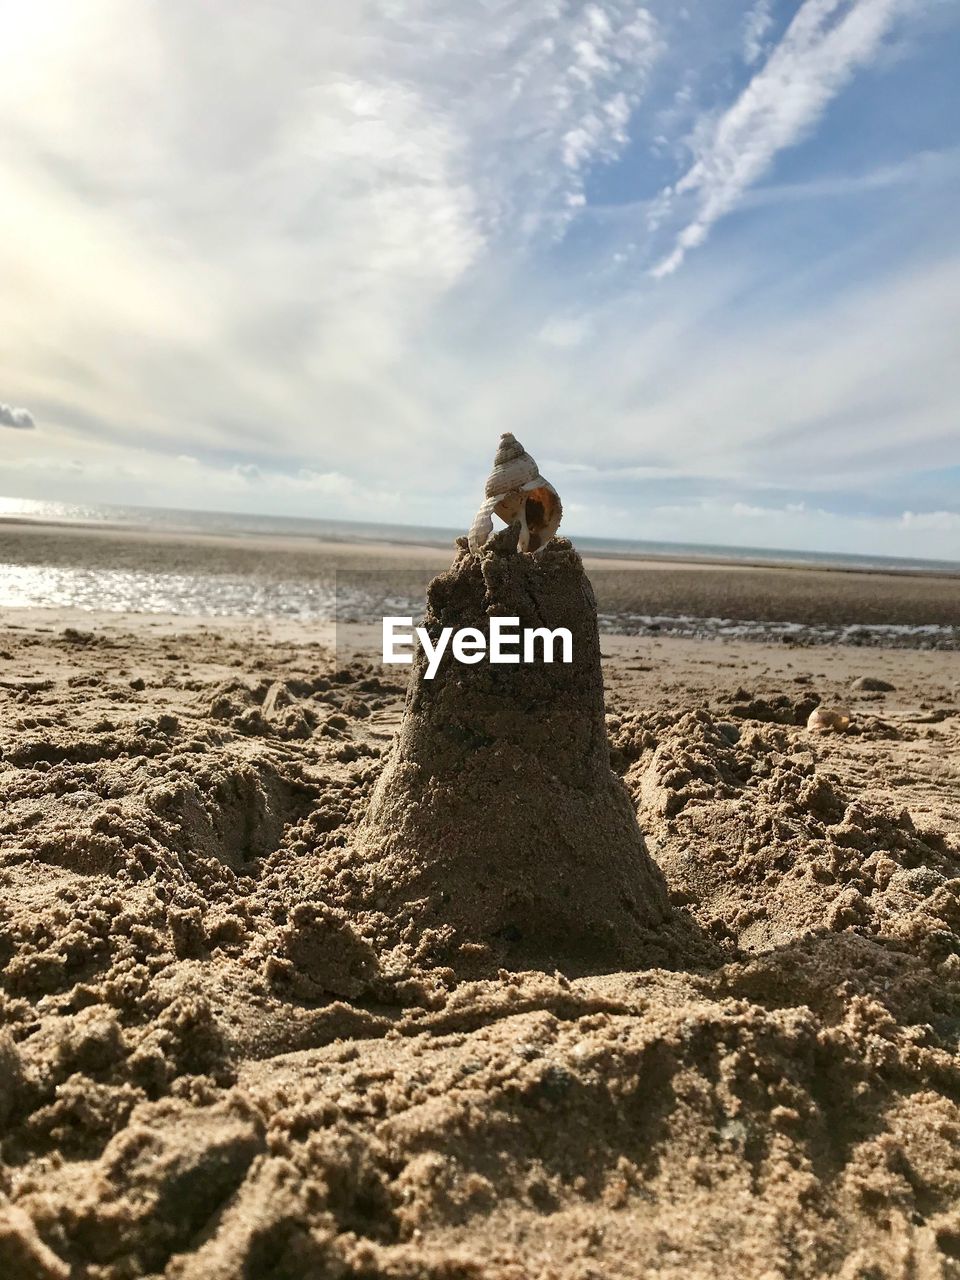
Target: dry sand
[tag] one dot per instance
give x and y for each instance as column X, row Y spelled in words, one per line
column 210, row 1069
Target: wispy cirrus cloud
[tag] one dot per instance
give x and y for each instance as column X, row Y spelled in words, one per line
column 537, row 94
column 756, row 27
column 821, row 50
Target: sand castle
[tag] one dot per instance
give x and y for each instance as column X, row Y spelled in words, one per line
column 497, row 823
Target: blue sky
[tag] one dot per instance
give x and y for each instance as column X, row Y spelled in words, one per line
column 703, row 259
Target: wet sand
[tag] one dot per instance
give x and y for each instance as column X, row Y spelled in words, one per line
column 211, row 1067
column 812, row 597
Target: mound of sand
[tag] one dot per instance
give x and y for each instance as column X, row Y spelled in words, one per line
column 214, row 1063
column 497, row 822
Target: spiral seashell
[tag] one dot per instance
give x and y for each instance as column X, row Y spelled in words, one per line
column 516, row 491
column 512, row 468
column 829, row 720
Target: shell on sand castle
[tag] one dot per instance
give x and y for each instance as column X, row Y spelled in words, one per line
column 516, row 491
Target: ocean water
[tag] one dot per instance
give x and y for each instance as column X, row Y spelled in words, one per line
column 298, row 584
column 240, row 525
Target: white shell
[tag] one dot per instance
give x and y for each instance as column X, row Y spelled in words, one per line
column 515, row 490
column 828, row 720
column 510, row 475
column 482, row 526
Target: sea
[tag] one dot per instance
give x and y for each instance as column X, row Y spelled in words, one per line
column 205, row 588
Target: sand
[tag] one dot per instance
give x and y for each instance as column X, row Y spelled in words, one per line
column 498, row 833
column 211, row 1066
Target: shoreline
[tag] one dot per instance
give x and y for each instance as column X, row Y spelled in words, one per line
column 775, row 560
column 294, row 579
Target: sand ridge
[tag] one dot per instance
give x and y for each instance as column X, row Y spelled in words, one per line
column 212, row 1066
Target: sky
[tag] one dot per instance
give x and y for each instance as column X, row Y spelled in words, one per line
column 703, row 259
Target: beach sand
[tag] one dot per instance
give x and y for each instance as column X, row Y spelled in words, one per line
column 210, row 1069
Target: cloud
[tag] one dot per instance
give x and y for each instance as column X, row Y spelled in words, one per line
column 18, row 419
column 288, row 231
column 566, row 331
column 938, row 521
column 331, row 253
column 756, row 27
column 537, row 94
column 841, row 394
column 799, row 528
column 825, row 44
column 924, row 169
column 189, row 483
column 249, row 476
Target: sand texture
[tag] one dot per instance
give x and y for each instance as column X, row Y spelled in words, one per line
column 217, row 1062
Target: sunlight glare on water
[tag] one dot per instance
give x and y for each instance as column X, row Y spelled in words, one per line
column 128, row 591
column 27, row 508
column 113, row 574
